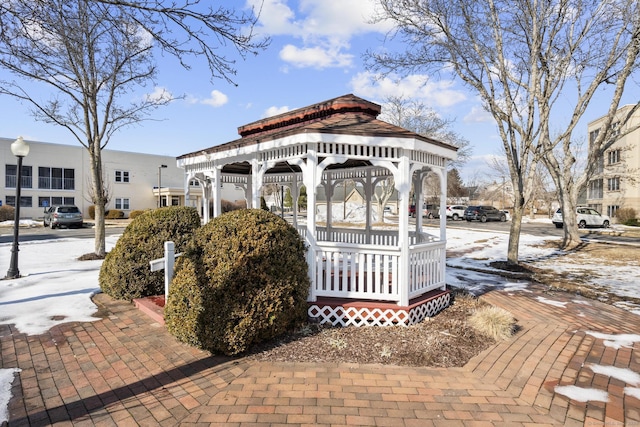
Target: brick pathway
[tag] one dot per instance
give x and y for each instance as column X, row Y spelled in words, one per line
column 126, row 370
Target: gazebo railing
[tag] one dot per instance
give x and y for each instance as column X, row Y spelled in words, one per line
column 356, row 272
column 371, row 272
column 426, row 268
column 363, row 237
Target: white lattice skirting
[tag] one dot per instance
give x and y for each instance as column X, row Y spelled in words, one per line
column 373, row 316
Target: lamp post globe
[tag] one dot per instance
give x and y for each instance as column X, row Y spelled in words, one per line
column 20, row 149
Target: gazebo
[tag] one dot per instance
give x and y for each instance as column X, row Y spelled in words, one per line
column 362, row 274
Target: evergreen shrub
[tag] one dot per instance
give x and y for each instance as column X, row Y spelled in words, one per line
column 114, row 214
column 125, row 273
column 135, row 213
column 242, row 280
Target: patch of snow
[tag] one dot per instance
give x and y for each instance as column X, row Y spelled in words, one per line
column 623, row 374
column 616, row 341
column 6, row 378
column 630, row 391
column 581, row 394
column 551, row 302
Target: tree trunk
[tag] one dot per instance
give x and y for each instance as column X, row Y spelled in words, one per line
column 514, row 237
column 571, row 235
column 98, row 196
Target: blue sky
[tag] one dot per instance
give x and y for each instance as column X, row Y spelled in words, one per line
column 315, row 55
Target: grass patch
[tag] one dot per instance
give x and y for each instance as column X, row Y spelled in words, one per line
column 494, row 322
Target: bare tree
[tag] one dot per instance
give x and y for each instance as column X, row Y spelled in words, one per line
column 91, row 54
column 520, row 57
column 418, row 117
column 382, row 194
column 570, row 177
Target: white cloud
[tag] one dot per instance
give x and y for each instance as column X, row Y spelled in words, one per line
column 317, row 57
column 324, row 28
column 160, row 95
column 274, row 111
column 317, row 19
column 435, row 94
column 216, row 99
column 477, row 115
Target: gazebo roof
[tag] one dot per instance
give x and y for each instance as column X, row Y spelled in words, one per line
column 347, row 114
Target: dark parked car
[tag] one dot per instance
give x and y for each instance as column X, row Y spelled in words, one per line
column 484, row 214
column 67, row 215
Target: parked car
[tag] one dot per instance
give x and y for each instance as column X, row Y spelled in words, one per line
column 432, row 211
column 484, row 214
column 585, row 217
column 455, row 212
column 67, row 215
column 412, row 211
column 507, row 215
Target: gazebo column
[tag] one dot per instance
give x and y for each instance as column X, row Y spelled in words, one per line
column 443, row 204
column 311, row 174
column 217, row 192
column 403, row 187
column 256, row 183
column 417, row 188
column 206, row 190
column 368, row 194
column 294, row 200
column 328, row 192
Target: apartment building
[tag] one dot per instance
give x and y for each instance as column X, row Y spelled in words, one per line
column 59, row 174
column 616, row 183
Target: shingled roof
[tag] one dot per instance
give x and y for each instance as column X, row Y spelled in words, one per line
column 347, row 114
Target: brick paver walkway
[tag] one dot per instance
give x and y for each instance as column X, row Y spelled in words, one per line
column 126, row 370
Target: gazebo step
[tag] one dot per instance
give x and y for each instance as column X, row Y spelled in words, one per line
column 346, row 312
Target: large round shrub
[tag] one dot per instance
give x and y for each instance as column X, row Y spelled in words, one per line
column 243, row 280
column 125, row 272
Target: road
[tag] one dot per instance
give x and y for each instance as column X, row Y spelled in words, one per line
column 533, row 228
column 543, row 229
column 41, row 233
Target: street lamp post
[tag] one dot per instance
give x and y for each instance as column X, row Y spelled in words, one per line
column 160, row 183
column 20, row 149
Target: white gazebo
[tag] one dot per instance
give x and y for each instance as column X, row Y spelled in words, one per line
column 365, row 274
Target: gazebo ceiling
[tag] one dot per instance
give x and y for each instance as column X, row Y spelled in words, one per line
column 244, row 168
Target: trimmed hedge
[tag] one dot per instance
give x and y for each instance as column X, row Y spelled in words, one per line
column 114, row 214
column 135, row 213
column 7, row 213
column 125, row 272
column 242, row 280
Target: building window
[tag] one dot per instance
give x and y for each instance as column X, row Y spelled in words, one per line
column 613, row 184
column 56, row 178
column 122, row 204
column 593, row 135
column 44, row 202
column 25, row 201
column 595, row 189
column 612, row 210
column 11, row 176
column 613, row 157
column 122, row 176
column 175, row 200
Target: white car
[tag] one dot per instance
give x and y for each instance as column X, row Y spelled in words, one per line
column 585, row 217
column 455, row 212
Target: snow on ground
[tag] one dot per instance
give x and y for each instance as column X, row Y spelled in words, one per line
column 57, row 288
